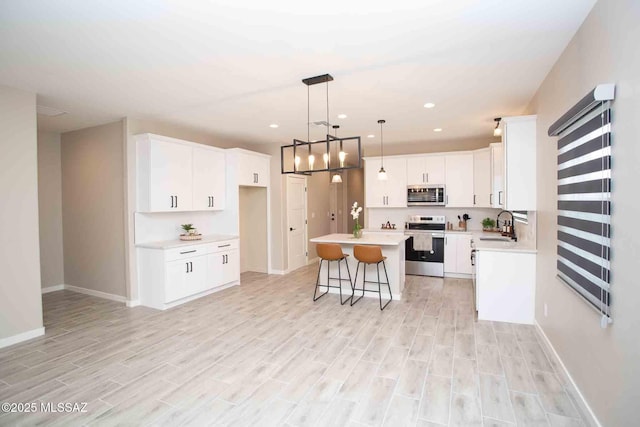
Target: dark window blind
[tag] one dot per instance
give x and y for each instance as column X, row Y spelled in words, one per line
column 584, row 206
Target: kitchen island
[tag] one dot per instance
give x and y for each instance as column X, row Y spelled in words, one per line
column 392, row 247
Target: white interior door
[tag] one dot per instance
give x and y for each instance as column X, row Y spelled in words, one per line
column 296, row 221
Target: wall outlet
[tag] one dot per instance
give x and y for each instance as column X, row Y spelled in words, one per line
column 546, row 312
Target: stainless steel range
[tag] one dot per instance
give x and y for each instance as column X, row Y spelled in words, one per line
column 425, row 247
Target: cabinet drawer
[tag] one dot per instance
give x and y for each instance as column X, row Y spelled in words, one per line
column 187, row 252
column 223, row 246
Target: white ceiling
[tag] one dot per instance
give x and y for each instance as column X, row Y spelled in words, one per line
column 234, row 67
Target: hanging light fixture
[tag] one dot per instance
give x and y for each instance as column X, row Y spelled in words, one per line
column 382, row 174
column 497, row 131
column 349, row 147
column 337, row 177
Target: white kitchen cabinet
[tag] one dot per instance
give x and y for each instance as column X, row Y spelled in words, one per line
column 457, row 254
column 459, row 180
column 164, row 175
column 177, row 175
column 482, row 178
column 172, row 276
column 209, row 179
column 505, row 286
column 391, row 193
column 426, row 170
column 497, row 197
column 519, row 139
column 253, row 169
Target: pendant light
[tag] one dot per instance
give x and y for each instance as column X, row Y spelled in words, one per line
column 382, row 174
column 337, row 178
column 497, row 131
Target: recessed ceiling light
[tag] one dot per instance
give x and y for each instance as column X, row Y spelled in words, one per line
column 429, row 105
column 273, row 125
column 437, row 130
column 49, row 111
column 342, row 116
column 371, row 136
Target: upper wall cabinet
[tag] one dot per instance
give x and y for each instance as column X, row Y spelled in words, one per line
column 497, row 197
column 459, row 180
column 426, row 170
column 519, row 139
column 482, row 178
column 253, row 168
column 176, row 175
column 391, row 193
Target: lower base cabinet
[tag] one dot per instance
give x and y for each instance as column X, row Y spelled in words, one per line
column 457, row 254
column 506, row 286
column 169, row 277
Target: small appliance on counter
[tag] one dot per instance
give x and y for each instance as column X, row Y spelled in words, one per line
column 424, row 249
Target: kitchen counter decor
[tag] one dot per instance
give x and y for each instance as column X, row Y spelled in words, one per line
column 355, row 213
column 190, row 233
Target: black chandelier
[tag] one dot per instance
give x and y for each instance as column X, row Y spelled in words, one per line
column 332, row 154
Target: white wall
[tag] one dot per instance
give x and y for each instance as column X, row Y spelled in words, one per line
column 605, row 363
column 50, row 209
column 92, row 208
column 20, row 295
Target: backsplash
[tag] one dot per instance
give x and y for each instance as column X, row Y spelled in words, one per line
column 527, row 232
column 375, row 217
column 154, row 227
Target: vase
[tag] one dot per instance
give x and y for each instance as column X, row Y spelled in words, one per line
column 357, row 233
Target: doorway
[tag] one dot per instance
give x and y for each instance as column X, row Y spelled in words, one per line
column 296, row 222
column 253, row 229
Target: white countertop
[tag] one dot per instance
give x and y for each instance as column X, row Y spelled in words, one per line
column 381, row 239
column 168, row 244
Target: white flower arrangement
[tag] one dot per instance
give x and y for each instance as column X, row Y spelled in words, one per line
column 355, row 214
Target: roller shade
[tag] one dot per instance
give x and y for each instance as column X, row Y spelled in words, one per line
column 584, row 200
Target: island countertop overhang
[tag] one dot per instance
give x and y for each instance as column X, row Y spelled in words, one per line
column 392, row 239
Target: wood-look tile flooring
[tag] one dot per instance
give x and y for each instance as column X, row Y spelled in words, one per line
column 264, row 354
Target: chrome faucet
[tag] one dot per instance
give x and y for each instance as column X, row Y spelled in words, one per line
column 512, row 234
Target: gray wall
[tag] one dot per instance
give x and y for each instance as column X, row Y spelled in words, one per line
column 50, row 209
column 92, row 208
column 603, row 362
column 20, row 298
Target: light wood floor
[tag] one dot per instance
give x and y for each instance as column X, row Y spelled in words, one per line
column 264, row 353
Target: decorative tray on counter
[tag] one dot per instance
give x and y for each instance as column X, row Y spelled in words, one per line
column 191, row 237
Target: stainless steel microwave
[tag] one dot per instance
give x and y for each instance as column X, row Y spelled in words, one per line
column 423, row 195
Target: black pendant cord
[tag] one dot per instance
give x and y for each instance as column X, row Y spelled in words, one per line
column 328, row 111
column 381, row 149
column 308, row 116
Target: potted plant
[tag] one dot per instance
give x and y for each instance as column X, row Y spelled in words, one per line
column 488, row 224
column 190, row 232
column 355, row 214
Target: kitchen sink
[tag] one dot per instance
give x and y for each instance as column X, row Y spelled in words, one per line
column 496, row 238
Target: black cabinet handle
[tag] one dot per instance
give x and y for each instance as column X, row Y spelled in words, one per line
column 500, row 198
column 474, row 199
column 188, row 252
column 491, row 199
column 176, row 201
column 225, row 246
column 172, row 202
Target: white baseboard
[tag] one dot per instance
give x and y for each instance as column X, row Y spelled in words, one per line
column 132, row 303
column 15, row 339
column 95, row 293
column 313, row 261
column 583, row 401
column 457, row 276
column 280, row 272
column 52, row 288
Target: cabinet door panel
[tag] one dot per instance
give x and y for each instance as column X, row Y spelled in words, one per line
column 416, row 170
column 497, row 176
column 171, row 166
column 459, row 180
column 176, row 273
column 208, row 179
column 435, row 170
column 375, row 191
column 396, row 184
column 253, row 171
column 463, row 254
column 197, row 276
column 231, row 268
column 482, row 178
column 450, row 253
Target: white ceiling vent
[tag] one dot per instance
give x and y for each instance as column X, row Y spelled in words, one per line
column 49, row 111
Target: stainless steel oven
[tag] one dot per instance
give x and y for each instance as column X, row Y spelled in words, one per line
column 425, row 195
column 425, row 262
